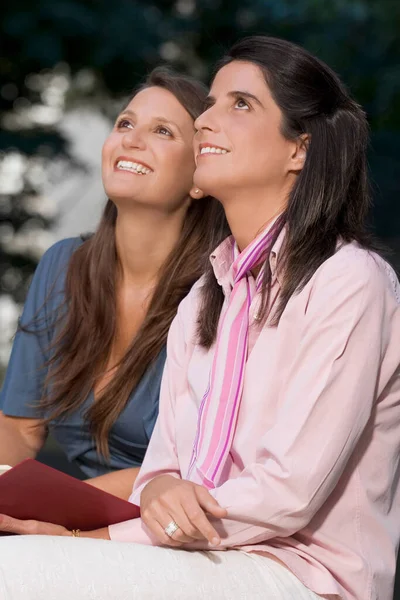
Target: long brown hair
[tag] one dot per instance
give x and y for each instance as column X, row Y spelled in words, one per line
column 83, row 346
column 330, row 199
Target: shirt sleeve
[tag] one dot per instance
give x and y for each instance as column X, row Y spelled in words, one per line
column 26, row 372
column 161, row 456
column 325, row 405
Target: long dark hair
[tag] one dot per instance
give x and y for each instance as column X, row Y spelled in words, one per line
column 330, row 199
column 83, row 345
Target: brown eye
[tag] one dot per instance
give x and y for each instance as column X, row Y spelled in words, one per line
column 122, row 123
column 163, row 131
column 241, row 104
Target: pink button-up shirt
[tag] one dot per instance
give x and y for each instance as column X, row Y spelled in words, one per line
column 314, row 479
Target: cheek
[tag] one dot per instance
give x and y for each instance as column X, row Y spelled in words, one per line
column 268, row 150
column 107, row 150
column 179, row 165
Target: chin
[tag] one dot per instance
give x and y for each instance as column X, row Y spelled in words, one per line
column 208, row 179
column 123, row 193
column 211, row 183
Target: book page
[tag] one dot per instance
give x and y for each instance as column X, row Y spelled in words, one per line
column 4, row 468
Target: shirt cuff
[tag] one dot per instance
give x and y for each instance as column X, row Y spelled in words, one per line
column 134, row 531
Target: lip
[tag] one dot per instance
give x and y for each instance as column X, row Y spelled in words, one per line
column 133, row 160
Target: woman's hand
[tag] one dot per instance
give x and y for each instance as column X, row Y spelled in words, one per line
column 166, row 499
column 31, row 527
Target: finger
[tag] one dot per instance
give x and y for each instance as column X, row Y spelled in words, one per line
column 209, row 503
column 179, row 535
column 164, row 514
column 11, row 525
column 157, row 520
column 165, row 539
column 196, row 516
column 187, row 527
column 177, row 539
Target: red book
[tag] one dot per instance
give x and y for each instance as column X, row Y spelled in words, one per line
column 31, row 490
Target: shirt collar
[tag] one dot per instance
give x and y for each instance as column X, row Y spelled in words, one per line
column 223, row 257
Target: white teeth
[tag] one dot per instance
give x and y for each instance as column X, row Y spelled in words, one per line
column 127, row 165
column 213, row 150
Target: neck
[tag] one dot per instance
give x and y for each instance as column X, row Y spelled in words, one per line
column 248, row 212
column 144, row 239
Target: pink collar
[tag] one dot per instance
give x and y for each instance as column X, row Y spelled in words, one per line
column 222, row 260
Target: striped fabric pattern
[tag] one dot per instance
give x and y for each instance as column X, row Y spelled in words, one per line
column 220, row 405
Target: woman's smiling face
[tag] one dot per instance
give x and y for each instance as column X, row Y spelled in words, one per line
column 239, row 144
column 148, row 156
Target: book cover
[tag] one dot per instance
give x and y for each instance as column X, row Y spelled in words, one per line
column 31, row 490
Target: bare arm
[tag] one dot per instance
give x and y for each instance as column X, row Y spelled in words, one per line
column 117, row 483
column 20, row 438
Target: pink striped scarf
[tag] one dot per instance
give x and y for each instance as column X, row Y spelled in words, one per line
column 220, row 405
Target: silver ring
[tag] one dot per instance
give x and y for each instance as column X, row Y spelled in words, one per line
column 171, row 528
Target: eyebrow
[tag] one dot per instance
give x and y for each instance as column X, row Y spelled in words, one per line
column 210, row 100
column 128, row 111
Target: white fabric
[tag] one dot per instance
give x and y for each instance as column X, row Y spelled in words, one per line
column 57, row 568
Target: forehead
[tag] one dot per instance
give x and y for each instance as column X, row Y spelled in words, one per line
column 156, row 102
column 240, row 75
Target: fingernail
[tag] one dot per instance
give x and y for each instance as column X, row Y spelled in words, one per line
column 215, row 541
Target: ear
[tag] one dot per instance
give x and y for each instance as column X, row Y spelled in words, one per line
column 299, row 154
column 196, row 193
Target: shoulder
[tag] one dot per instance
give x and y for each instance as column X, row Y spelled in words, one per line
column 49, row 277
column 60, row 253
column 56, row 259
column 352, row 262
column 188, row 310
column 189, row 306
column 355, row 271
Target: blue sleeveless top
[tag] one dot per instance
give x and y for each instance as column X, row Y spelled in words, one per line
column 23, row 384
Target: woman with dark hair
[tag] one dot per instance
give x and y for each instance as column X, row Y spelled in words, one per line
column 278, row 438
column 89, row 354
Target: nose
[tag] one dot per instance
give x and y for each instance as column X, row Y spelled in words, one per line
column 207, row 121
column 134, row 138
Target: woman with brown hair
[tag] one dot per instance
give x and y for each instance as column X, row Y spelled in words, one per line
column 89, row 354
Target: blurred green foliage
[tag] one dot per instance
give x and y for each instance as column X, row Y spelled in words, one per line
column 120, row 41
